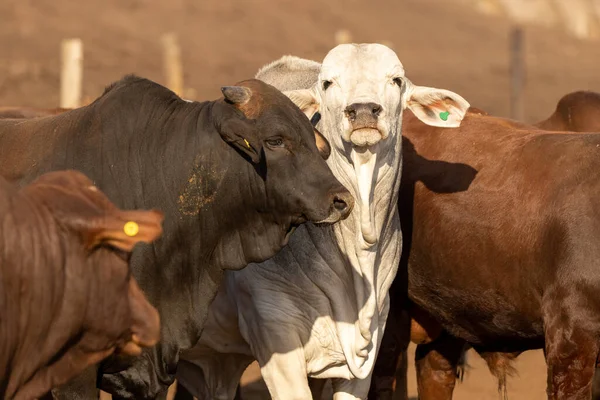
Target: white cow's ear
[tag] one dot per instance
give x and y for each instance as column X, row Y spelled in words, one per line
column 436, row 107
column 305, row 99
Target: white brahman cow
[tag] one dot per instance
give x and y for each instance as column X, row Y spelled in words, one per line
column 318, row 308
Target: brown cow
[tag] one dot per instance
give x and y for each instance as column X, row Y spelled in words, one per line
column 502, row 221
column 67, row 297
column 29, row 112
column 577, row 111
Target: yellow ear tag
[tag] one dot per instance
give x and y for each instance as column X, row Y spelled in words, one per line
column 247, row 144
column 131, row 228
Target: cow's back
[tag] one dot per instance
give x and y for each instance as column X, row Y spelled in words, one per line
column 29, row 112
column 577, row 111
column 30, row 147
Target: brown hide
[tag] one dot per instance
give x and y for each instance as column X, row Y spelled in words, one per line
column 68, row 299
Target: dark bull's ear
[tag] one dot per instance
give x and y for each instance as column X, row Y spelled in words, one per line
column 322, row 144
column 240, row 132
column 236, row 94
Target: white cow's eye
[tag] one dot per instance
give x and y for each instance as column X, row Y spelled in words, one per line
column 326, row 84
column 398, row 81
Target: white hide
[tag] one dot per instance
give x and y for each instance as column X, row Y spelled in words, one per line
column 318, row 308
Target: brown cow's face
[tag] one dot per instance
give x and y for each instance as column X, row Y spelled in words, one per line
column 102, row 238
column 145, row 322
column 117, row 306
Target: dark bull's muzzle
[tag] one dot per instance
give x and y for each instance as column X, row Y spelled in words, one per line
column 342, row 203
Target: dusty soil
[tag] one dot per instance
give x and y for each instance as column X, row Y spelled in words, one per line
column 440, row 42
column 478, row 383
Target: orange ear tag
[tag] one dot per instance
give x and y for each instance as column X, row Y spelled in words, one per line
column 247, row 144
column 131, row 228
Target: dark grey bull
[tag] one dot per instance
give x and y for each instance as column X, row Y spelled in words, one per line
column 234, row 177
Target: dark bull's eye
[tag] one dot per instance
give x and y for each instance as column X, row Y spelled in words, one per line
column 326, row 84
column 398, row 81
column 275, row 142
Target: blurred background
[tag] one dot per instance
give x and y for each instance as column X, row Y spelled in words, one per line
column 461, row 45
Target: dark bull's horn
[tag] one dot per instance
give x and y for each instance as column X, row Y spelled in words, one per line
column 236, row 94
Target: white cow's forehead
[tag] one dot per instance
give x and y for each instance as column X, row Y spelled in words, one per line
column 372, row 57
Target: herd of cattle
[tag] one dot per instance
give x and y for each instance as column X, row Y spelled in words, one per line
column 293, row 222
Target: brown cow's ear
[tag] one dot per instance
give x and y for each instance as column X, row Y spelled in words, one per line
column 123, row 229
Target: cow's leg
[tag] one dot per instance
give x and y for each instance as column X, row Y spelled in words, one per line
column 571, row 334
column 354, row 389
column 317, row 386
column 501, row 366
column 214, row 377
column 437, row 367
column 238, row 393
column 181, row 393
column 596, row 383
column 389, row 374
column 400, row 378
column 285, row 374
column 386, row 366
column 160, row 396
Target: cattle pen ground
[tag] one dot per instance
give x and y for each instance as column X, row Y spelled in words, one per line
column 478, row 383
column 441, row 43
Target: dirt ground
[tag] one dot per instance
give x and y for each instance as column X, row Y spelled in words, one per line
column 478, row 383
column 440, row 42
column 529, row 383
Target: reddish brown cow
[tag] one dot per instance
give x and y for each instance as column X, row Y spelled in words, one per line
column 29, row 112
column 501, row 231
column 67, row 297
column 577, row 112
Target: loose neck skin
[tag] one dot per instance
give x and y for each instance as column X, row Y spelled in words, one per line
column 369, row 238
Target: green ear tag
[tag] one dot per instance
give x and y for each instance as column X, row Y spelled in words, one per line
column 444, row 115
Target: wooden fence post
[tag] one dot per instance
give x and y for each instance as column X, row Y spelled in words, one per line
column 342, row 36
column 517, row 73
column 172, row 63
column 71, row 73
